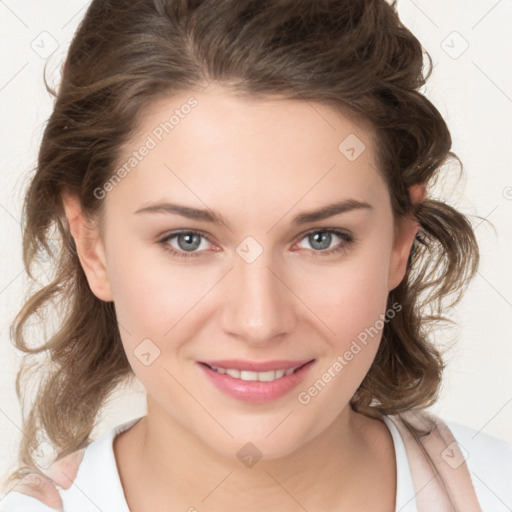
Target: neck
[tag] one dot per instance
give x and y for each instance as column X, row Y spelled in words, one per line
column 329, row 472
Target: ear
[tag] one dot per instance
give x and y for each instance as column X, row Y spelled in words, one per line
column 90, row 248
column 405, row 232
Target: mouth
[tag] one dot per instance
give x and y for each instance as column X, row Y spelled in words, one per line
column 260, row 376
column 256, row 382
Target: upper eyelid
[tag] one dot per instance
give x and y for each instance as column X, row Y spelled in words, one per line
column 328, row 228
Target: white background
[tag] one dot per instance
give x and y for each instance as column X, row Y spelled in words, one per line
column 473, row 92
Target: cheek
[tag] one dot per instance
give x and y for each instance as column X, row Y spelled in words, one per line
column 349, row 296
column 160, row 307
column 151, row 293
column 355, row 314
column 350, row 301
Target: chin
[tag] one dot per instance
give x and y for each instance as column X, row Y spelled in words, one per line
column 248, row 446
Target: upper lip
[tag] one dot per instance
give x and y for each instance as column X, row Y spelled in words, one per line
column 255, row 366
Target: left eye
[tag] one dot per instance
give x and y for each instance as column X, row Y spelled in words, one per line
column 320, row 240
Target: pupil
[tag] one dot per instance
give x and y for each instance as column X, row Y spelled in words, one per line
column 324, row 237
column 190, row 238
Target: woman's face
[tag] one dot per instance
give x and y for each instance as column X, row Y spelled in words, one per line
column 267, row 283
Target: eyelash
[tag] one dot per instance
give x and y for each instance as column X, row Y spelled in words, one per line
column 342, row 247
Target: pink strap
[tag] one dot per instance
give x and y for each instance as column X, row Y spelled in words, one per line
column 446, row 485
column 43, row 486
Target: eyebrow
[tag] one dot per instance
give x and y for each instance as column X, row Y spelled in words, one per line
column 208, row 215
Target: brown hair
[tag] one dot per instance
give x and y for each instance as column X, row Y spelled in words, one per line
column 128, row 53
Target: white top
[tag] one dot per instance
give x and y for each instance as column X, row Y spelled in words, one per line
column 97, row 486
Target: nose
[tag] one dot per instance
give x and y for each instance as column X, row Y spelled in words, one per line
column 260, row 304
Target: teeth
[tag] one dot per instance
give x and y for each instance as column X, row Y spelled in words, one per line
column 280, row 373
column 247, row 375
column 264, row 376
column 254, row 376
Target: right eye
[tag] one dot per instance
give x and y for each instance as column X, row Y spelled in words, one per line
column 187, row 240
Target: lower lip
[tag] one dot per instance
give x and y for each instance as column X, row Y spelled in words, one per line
column 256, row 391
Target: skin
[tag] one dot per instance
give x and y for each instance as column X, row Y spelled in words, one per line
column 258, row 164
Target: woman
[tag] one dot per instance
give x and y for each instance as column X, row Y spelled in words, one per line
column 241, row 195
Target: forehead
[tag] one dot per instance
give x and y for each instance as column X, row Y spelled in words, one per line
column 244, row 151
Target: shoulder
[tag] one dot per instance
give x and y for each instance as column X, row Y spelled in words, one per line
column 489, row 461
column 481, row 450
column 40, row 491
column 85, row 477
column 19, row 501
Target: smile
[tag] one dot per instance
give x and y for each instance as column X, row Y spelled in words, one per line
column 260, row 376
column 256, row 382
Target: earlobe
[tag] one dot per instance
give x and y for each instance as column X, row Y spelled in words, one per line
column 405, row 233
column 90, row 248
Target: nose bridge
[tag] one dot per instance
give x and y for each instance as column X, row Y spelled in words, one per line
column 259, row 305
